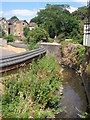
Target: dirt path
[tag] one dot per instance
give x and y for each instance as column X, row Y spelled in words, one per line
column 13, row 49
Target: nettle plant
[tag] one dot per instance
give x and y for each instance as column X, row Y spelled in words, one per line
column 34, row 93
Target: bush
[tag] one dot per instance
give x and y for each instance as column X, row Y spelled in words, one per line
column 35, row 36
column 78, row 54
column 25, row 31
column 33, row 93
column 38, row 34
column 9, row 38
column 2, row 33
column 50, row 40
column 61, row 37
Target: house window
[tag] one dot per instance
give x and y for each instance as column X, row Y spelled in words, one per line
column 19, row 33
column 4, row 21
column 86, row 40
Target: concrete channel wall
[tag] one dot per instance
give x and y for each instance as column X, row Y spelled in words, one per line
column 85, row 74
column 53, row 49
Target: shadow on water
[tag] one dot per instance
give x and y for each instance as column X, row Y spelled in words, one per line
column 73, row 95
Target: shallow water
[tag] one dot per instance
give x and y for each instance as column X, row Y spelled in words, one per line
column 74, row 96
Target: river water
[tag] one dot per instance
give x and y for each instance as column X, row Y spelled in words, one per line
column 74, row 96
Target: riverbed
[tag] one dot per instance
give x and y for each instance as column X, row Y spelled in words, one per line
column 74, row 97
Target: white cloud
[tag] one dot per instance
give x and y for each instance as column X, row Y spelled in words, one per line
column 1, row 13
column 80, row 0
column 71, row 9
column 24, row 13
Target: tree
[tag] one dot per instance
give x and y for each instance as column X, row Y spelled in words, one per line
column 81, row 28
column 26, row 31
column 81, row 13
column 56, row 19
column 38, row 34
column 14, row 17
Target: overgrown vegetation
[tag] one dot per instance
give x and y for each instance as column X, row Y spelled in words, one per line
column 35, row 93
column 78, row 54
column 10, row 38
column 73, row 52
column 2, row 33
column 34, row 36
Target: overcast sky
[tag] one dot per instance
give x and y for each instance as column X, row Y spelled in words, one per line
column 28, row 9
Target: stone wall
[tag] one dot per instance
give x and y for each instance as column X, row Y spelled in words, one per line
column 86, row 72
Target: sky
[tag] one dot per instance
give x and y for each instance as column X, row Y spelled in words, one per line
column 27, row 9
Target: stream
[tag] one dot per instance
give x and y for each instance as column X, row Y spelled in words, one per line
column 74, row 96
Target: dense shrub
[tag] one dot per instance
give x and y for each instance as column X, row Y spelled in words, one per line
column 9, row 38
column 2, row 33
column 78, row 54
column 61, row 37
column 33, row 93
column 34, row 36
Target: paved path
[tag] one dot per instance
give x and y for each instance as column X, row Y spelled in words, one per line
column 5, row 52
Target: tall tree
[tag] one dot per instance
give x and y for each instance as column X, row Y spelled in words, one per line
column 56, row 19
column 14, row 17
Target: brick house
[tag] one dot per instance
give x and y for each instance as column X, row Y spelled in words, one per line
column 15, row 26
column 20, row 25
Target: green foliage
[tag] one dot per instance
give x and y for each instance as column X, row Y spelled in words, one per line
column 50, row 40
column 57, row 19
column 35, row 36
column 14, row 17
column 75, row 55
column 38, row 34
column 79, row 53
column 10, row 38
column 61, row 37
column 81, row 13
column 33, row 93
column 2, row 33
column 25, row 31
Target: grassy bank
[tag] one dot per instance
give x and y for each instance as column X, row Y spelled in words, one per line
column 35, row 93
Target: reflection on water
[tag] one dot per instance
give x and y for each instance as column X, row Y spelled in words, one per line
column 73, row 94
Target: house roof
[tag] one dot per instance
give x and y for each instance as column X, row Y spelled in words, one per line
column 23, row 21
column 32, row 24
column 2, row 18
column 11, row 21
